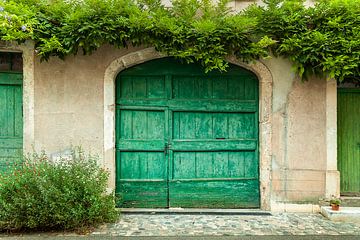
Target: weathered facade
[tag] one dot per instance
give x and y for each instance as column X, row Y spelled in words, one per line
column 275, row 146
column 72, row 102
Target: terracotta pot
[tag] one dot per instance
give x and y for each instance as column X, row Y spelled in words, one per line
column 335, row 207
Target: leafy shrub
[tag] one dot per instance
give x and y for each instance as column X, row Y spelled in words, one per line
column 66, row 194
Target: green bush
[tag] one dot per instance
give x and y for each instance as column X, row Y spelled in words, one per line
column 62, row 195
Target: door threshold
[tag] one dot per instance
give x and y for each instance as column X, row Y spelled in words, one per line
column 205, row 211
column 350, row 195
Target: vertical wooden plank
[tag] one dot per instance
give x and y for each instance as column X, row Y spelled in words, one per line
column 130, row 165
column 11, row 111
column 140, row 121
column 3, row 112
column 197, row 125
column 220, row 165
column 187, row 122
column 205, row 129
column 154, row 124
column 251, row 165
column 343, row 169
column 236, row 164
column 18, row 121
column 205, row 87
column 242, row 126
column 234, row 88
column 343, row 155
column 143, row 165
column 220, row 127
column 126, row 124
column 139, row 87
column 204, row 167
column 250, row 89
column 339, row 135
column 156, row 166
column 176, row 125
column 169, row 86
column 185, row 87
column 220, row 88
column 156, row 87
column 175, row 88
column 118, row 163
column 242, row 90
column 184, row 165
column 124, row 87
column 197, row 85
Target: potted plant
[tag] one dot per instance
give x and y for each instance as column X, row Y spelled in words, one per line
column 335, row 204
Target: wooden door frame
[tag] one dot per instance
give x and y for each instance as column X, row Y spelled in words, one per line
column 27, row 50
column 265, row 115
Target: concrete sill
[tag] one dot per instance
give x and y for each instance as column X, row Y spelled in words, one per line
column 345, row 214
column 194, row 211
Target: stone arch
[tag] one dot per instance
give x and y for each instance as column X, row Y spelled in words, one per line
column 265, row 108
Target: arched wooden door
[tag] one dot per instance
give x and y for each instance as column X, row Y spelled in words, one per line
column 185, row 138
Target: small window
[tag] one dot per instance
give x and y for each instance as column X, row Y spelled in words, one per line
column 11, row 62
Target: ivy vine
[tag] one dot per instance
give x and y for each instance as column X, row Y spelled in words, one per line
column 323, row 39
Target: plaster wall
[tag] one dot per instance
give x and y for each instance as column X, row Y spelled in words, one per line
column 69, row 100
column 69, row 110
column 238, row 5
column 299, row 158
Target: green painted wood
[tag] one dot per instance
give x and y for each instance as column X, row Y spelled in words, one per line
column 214, row 194
column 185, row 138
column 213, row 145
column 140, row 158
column 349, row 140
column 11, row 122
column 194, row 105
column 142, row 194
column 10, row 78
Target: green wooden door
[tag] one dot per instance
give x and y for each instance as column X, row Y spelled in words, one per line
column 185, row 138
column 10, row 118
column 349, row 140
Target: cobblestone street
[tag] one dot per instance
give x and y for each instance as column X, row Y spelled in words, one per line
column 225, row 225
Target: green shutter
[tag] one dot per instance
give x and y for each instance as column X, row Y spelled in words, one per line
column 185, row 138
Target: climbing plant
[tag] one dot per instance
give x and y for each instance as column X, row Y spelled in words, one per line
column 323, row 39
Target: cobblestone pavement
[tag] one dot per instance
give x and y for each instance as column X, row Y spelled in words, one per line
column 226, row 225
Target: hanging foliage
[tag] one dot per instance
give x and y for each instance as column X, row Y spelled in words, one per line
column 323, row 39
